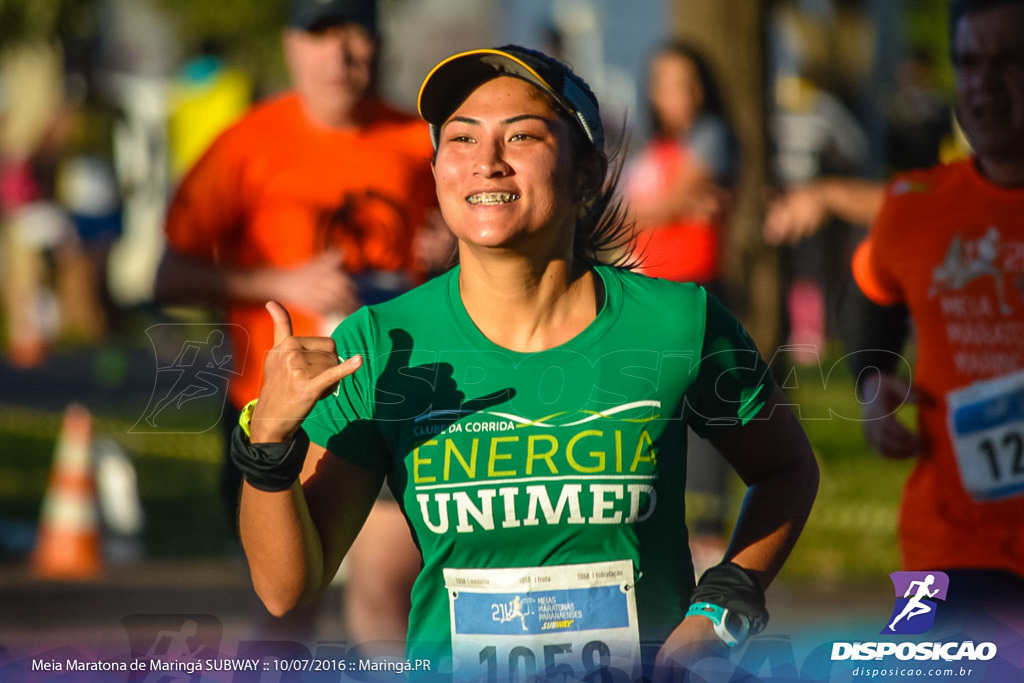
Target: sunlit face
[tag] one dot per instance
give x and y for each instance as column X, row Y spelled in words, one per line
column 988, row 59
column 505, row 172
column 331, row 69
column 675, row 91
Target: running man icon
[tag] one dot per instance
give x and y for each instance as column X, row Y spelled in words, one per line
column 919, row 591
column 506, row 612
column 915, row 607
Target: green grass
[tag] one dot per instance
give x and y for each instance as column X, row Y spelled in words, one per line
column 23, row 474
column 851, row 533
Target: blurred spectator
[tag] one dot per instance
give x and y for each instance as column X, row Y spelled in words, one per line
column 679, row 185
column 207, row 96
column 32, row 98
column 315, row 199
column 814, row 136
column 90, row 192
column 920, row 134
column 59, row 204
column 919, row 124
column 679, row 188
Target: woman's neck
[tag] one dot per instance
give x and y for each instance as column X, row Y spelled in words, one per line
column 526, row 307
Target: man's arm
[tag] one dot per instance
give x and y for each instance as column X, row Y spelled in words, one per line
column 873, row 337
column 802, row 211
column 319, row 284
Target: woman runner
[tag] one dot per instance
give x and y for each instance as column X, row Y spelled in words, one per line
column 529, row 410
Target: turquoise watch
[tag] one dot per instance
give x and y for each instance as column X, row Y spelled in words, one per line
column 731, row 627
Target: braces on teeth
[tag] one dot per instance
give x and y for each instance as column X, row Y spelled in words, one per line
column 492, row 198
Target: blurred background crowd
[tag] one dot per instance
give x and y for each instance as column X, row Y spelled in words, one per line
column 105, row 104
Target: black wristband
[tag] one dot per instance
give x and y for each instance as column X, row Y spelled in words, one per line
column 269, row 466
column 731, row 586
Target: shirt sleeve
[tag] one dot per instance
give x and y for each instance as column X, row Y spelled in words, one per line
column 868, row 266
column 711, row 141
column 344, row 422
column 733, row 381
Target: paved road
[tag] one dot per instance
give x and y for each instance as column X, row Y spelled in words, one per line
column 135, row 608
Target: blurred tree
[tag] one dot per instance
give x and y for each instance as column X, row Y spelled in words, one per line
column 733, row 36
column 250, row 32
column 46, row 19
column 925, row 25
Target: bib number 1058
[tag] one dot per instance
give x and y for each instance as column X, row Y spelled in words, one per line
column 560, row 623
column 556, row 662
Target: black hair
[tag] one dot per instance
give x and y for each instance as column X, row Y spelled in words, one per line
column 604, row 232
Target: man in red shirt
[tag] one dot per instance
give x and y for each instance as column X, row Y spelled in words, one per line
column 315, row 199
column 947, row 248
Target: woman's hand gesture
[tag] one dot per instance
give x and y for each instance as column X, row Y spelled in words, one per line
column 297, row 372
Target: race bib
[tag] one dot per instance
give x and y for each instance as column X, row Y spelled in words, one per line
column 560, row 623
column 986, row 427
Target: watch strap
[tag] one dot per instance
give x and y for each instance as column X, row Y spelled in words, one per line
column 721, row 618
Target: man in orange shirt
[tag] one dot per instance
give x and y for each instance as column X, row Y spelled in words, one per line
column 314, row 198
column 947, row 248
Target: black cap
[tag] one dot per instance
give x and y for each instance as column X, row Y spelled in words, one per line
column 310, row 15
column 451, row 81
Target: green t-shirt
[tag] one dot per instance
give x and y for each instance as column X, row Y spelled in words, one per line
column 569, row 456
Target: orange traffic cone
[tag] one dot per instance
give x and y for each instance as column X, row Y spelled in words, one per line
column 68, row 546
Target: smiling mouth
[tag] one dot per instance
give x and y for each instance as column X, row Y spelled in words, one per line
column 492, row 198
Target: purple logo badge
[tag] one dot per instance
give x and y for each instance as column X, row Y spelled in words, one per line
column 916, row 596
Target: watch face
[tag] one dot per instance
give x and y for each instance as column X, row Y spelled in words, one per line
column 736, row 624
column 731, row 627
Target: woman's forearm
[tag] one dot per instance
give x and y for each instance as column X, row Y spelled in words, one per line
column 772, row 455
column 773, row 515
column 283, row 548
